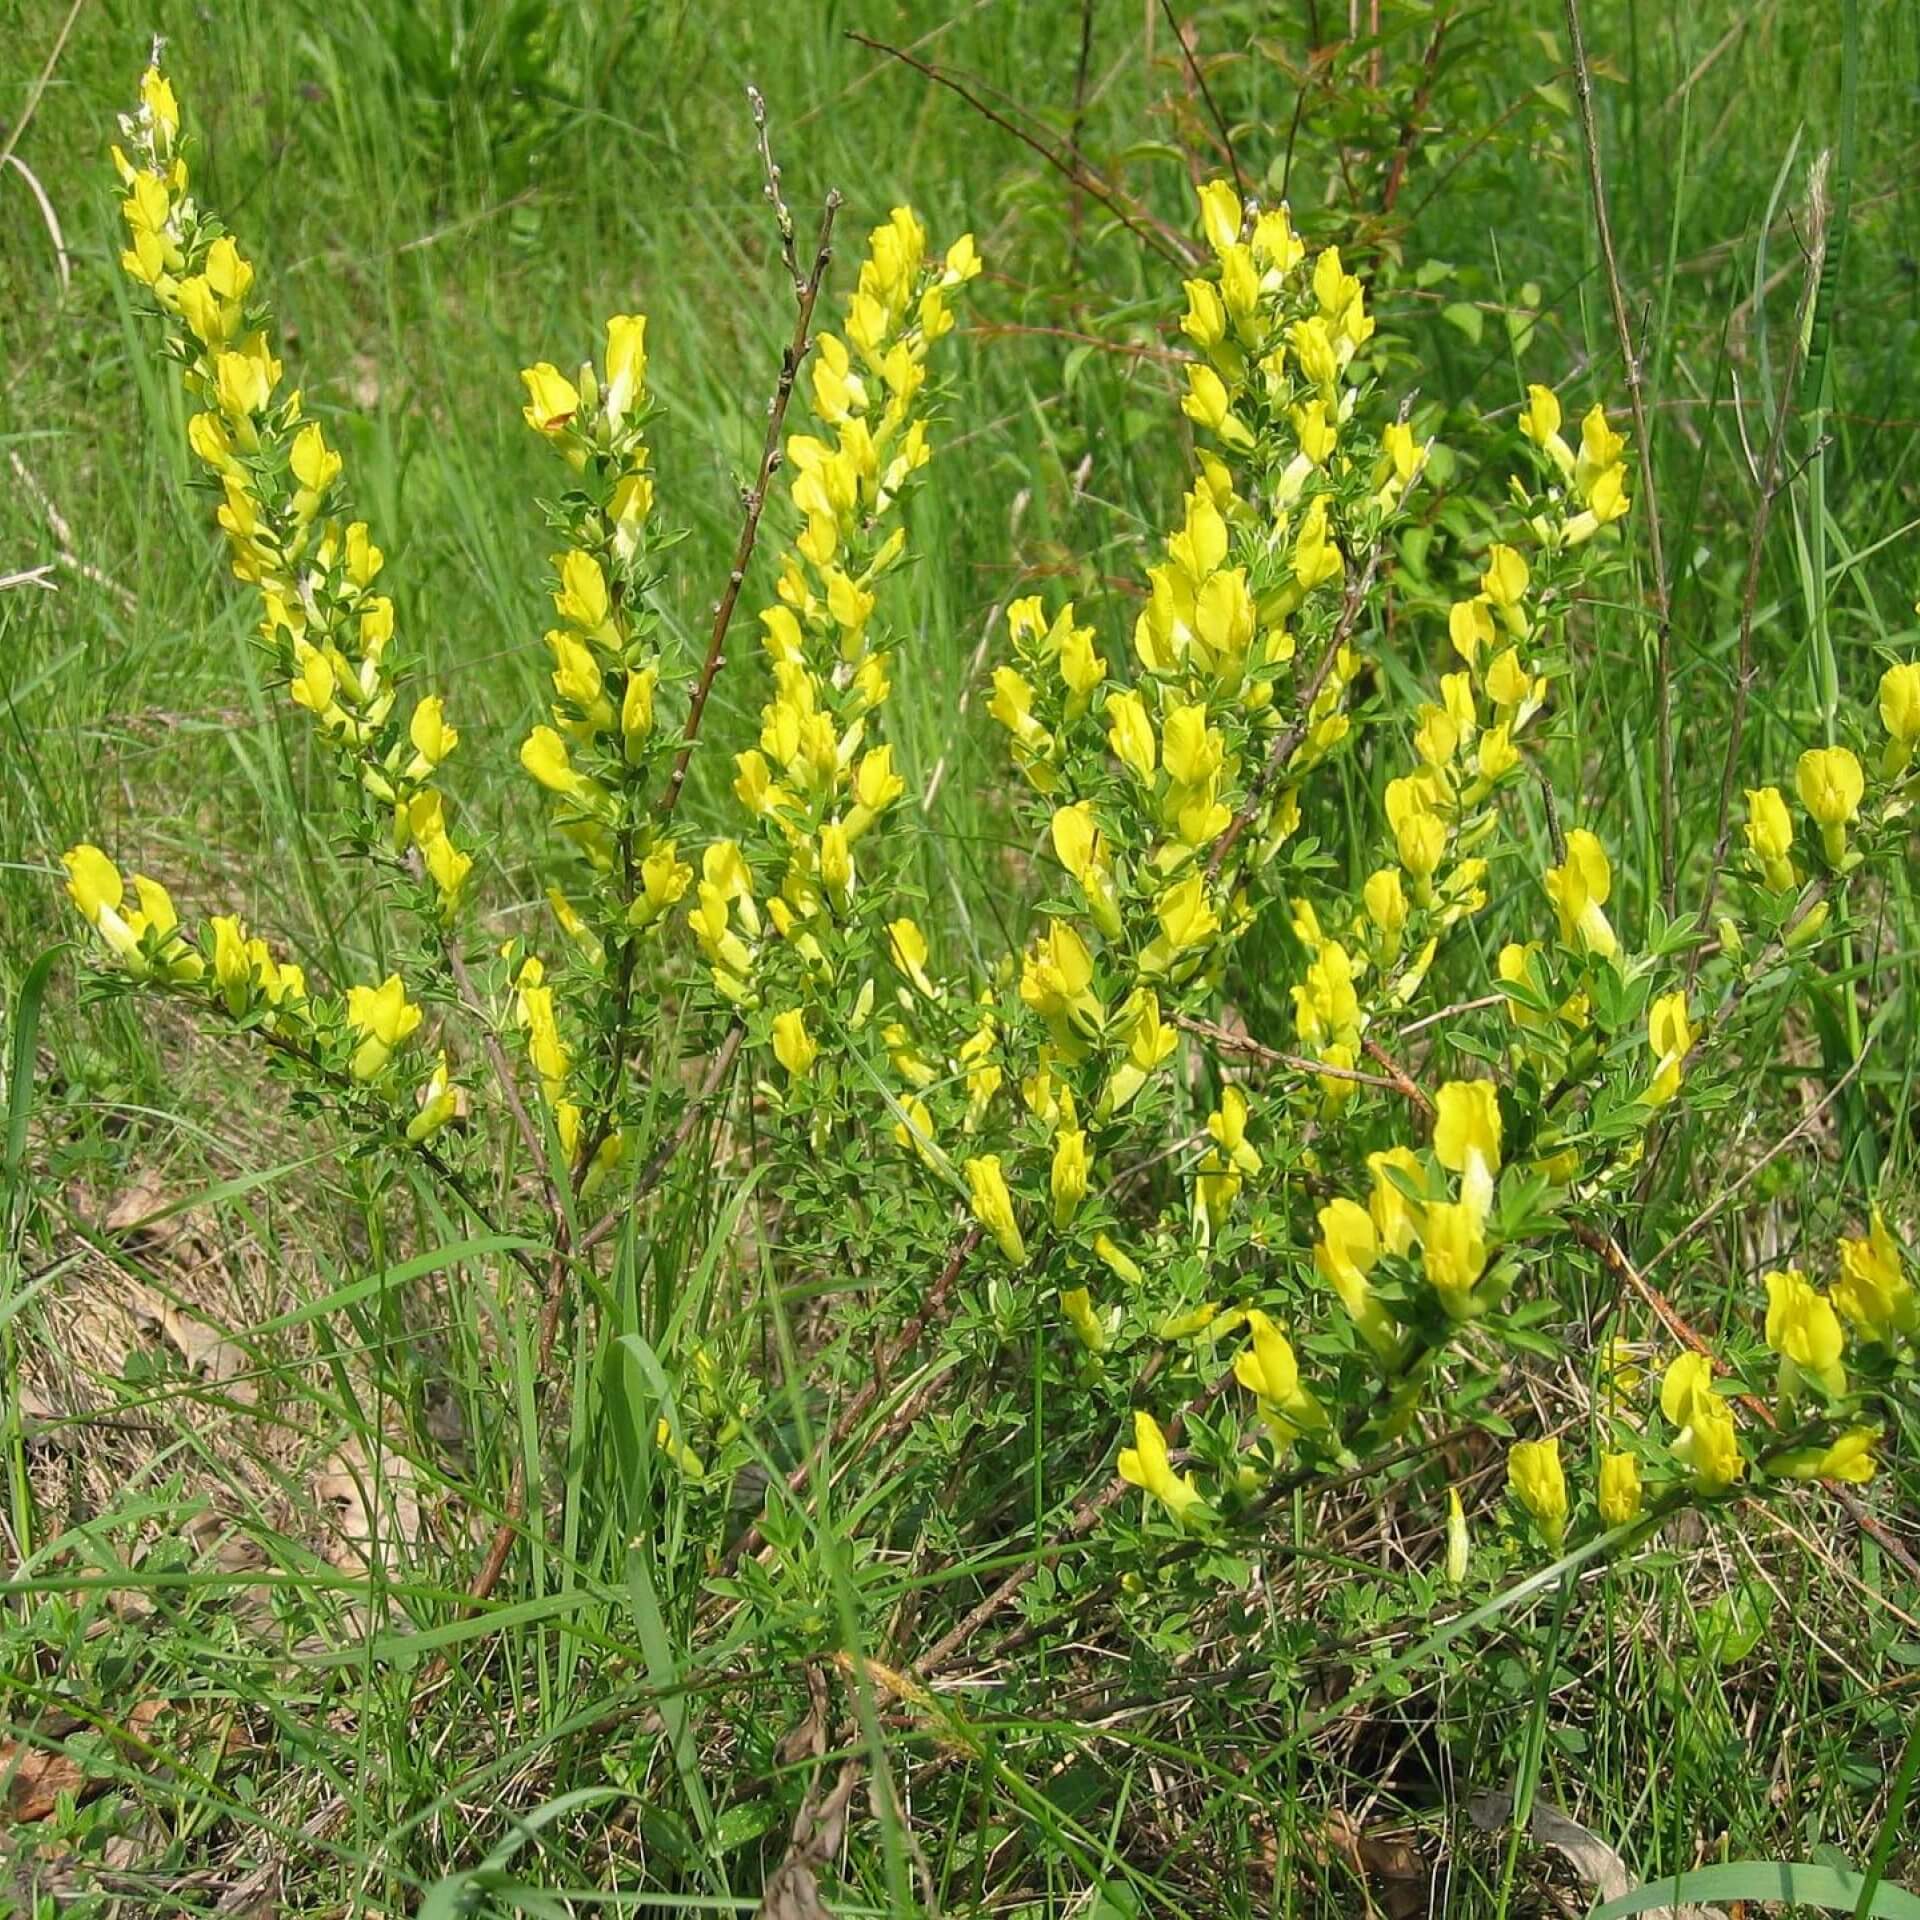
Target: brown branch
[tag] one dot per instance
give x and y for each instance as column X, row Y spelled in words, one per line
column 1410, row 126
column 1267, row 1056
column 807, row 294
column 1285, row 747
column 932, row 1309
column 1206, row 93
column 1768, row 479
column 1167, row 241
column 1623, row 329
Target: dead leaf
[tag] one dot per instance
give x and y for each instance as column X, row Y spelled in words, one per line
column 131, row 1215
column 808, row 1739
column 793, row 1893
column 209, row 1354
column 375, row 1503
column 35, row 1780
column 1597, row 1864
column 1389, row 1867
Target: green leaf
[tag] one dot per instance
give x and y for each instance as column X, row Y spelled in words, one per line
column 1467, row 317
column 1772, row 1882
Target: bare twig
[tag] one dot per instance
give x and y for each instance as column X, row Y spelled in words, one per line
column 1206, row 93
column 1141, row 222
column 1766, row 480
column 1643, row 447
column 806, row 294
column 932, row 1309
column 1267, row 1056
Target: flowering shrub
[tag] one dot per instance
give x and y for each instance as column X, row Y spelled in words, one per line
column 1209, row 1147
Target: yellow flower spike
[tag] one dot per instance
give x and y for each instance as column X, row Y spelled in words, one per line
column 1466, row 1138
column 1900, row 715
column 552, row 400
column 1873, row 1290
column 1769, row 830
column 1579, row 890
column 583, row 600
column 1707, row 1443
column 1072, row 1164
column 145, row 940
column 1670, row 1036
column 383, row 1017
column 793, row 1046
column 993, row 1206
column 1848, row 1459
column 159, row 109
column 1091, row 1329
column 1420, row 833
column 1831, row 785
column 1145, row 1465
column 1804, row 1330
column 1455, row 1566
column 1535, row 1479
column 1620, row 1496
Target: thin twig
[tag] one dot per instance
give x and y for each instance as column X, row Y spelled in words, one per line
column 1767, row 483
column 1206, row 93
column 932, row 1310
column 1623, row 328
column 1167, row 241
column 1301, row 1063
column 806, row 293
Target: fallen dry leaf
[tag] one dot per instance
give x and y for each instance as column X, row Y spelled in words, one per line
column 1598, row 1865
column 35, row 1779
column 375, row 1504
column 793, row 1893
column 1389, row 1867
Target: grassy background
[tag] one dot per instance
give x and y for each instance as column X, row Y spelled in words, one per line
column 436, row 195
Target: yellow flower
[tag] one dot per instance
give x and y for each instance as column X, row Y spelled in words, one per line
column 993, row 1206
column 232, row 964
column 1579, row 890
column 544, row 755
column 1145, row 1465
column 1536, row 1481
column 1900, row 714
column 1077, row 1303
column 1466, row 1138
column 1187, row 920
column 1770, row 837
column 793, row 1046
column 1385, row 900
column 1505, row 585
column 908, row 948
column 1453, row 1253
column 1130, row 733
column 145, row 940
column 1269, row 1370
column 1540, row 422
column 1831, row 785
column 1056, row 975
column 664, row 878
column 552, row 399
column 1071, row 1166
column 1620, row 1493
column 1804, row 1330
column 383, row 1017
column 1149, row 1041
column 1848, row 1458
column 1394, row 1217
column 1220, row 215
column 1205, row 321
column 1343, row 1256
column 439, row 1101
column 626, row 388
column 1670, row 1035
column 1873, row 1290
column 432, row 738
column 1707, row 1443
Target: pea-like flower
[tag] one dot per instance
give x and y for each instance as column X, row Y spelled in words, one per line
column 1536, row 1481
